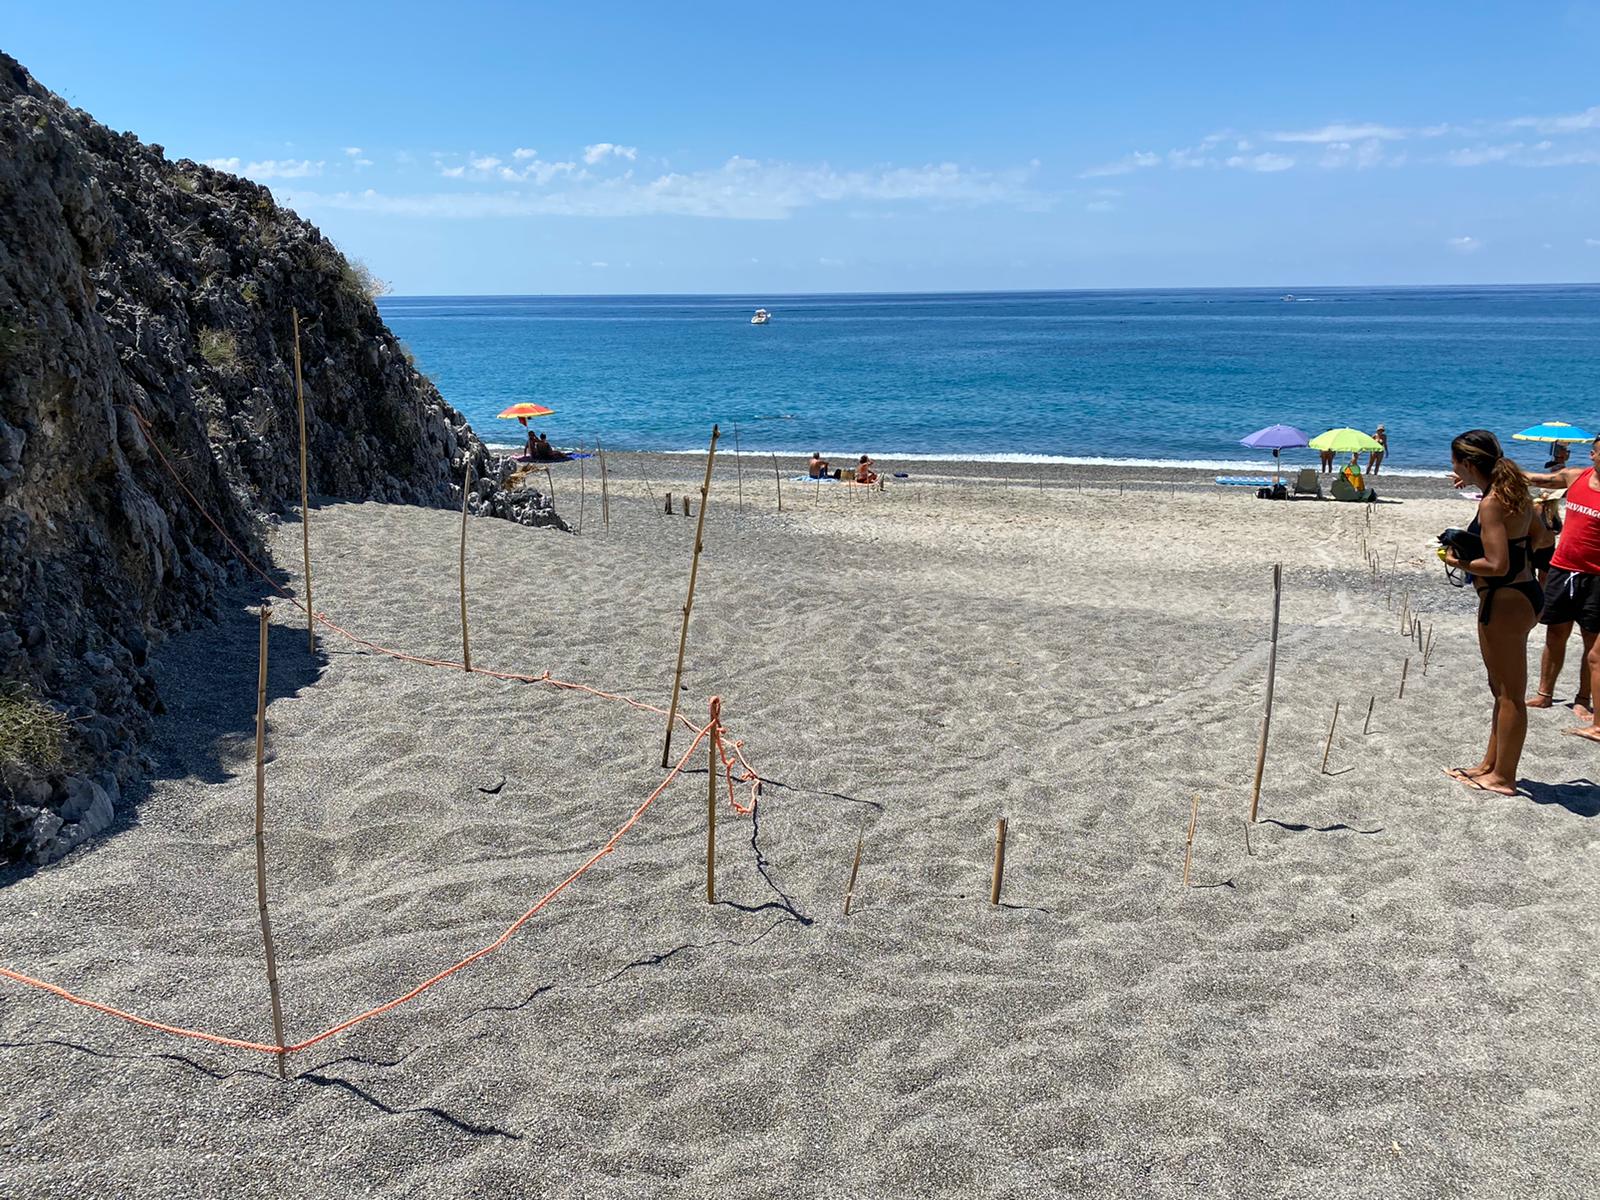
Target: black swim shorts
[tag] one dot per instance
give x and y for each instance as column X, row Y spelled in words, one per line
column 1572, row 596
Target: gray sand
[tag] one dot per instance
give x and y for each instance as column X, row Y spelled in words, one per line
column 1394, row 996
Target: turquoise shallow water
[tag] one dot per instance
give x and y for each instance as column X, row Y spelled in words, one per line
column 1143, row 376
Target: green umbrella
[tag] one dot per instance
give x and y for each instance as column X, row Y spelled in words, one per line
column 1346, row 441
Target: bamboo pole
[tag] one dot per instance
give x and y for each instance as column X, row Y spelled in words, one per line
column 466, row 644
column 551, row 480
column 850, row 891
column 605, row 485
column 711, row 819
column 999, row 861
column 583, row 486
column 1367, row 724
column 1188, row 846
column 648, row 490
column 1427, row 651
column 1272, row 671
column 778, row 479
column 688, row 604
column 1405, row 611
column 1332, row 725
column 261, row 840
column 1404, row 667
column 738, row 464
column 305, row 503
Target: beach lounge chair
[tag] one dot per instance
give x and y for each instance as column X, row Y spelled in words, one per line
column 1343, row 489
column 1305, row 483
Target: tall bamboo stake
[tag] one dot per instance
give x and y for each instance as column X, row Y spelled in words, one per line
column 1188, row 846
column 738, row 464
column 261, row 840
column 1272, row 672
column 649, row 491
column 466, row 644
column 1367, row 724
column 605, row 486
column 688, row 603
column 999, row 861
column 850, row 891
column 711, row 820
column 1404, row 667
column 551, row 480
column 1332, row 725
column 1427, row 650
column 778, row 479
column 305, row 503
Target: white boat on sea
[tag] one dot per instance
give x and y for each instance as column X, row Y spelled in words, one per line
column 761, row 318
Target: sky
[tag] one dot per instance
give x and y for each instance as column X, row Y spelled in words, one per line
column 759, row 149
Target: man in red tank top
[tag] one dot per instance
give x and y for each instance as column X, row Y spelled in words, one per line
column 1572, row 591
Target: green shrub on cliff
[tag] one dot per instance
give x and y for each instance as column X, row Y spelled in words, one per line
column 220, row 348
column 31, row 732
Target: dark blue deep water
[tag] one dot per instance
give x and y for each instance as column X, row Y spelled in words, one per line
column 1144, row 376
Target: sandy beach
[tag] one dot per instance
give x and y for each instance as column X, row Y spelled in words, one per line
column 1393, row 995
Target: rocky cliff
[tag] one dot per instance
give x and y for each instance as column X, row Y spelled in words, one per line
column 140, row 293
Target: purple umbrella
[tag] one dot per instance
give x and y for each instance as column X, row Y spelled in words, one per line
column 1275, row 438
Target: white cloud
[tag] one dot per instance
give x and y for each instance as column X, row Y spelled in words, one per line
column 1589, row 118
column 363, row 162
column 353, row 151
column 1342, row 132
column 598, row 151
column 1464, row 245
column 452, row 172
column 1371, row 153
column 740, row 189
column 1590, row 242
column 522, row 152
column 270, row 168
column 487, row 163
column 1123, row 166
column 1266, row 163
column 1099, row 206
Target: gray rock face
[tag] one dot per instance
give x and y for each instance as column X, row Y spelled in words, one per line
column 140, row 293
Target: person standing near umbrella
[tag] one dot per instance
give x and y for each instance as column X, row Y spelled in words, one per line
column 1508, row 601
column 1375, row 457
column 1572, row 591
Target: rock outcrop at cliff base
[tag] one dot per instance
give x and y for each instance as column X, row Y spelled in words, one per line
column 141, row 294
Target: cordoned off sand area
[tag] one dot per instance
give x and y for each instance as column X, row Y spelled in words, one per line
column 1390, row 992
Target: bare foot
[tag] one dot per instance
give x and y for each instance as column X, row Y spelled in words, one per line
column 1465, row 774
column 1583, row 708
column 1541, row 700
column 1583, row 731
column 1492, row 783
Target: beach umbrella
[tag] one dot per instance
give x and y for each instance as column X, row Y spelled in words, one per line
column 525, row 410
column 1346, row 441
column 1553, row 431
column 1275, row 438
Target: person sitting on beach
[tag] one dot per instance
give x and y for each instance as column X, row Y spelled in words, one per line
column 1558, row 457
column 864, row 471
column 818, row 466
column 532, row 448
column 1509, row 601
column 543, row 451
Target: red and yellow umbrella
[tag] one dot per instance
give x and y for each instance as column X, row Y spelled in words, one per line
column 525, row 410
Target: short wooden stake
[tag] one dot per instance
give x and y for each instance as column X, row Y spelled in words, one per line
column 686, row 510
column 1188, row 848
column 669, row 503
column 305, row 502
column 999, row 861
column 1367, row 724
column 261, row 840
column 850, row 891
column 1427, row 650
column 1272, row 671
column 466, row 644
column 711, row 819
column 605, row 485
column 778, row 479
column 688, row 604
column 1332, row 725
column 1404, row 667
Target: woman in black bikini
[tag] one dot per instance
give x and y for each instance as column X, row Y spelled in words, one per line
column 1508, row 601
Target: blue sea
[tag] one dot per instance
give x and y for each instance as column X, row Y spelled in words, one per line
column 1093, row 376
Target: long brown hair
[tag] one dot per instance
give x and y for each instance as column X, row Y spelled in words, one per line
column 1507, row 483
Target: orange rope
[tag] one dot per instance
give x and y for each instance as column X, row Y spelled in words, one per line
column 713, row 729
